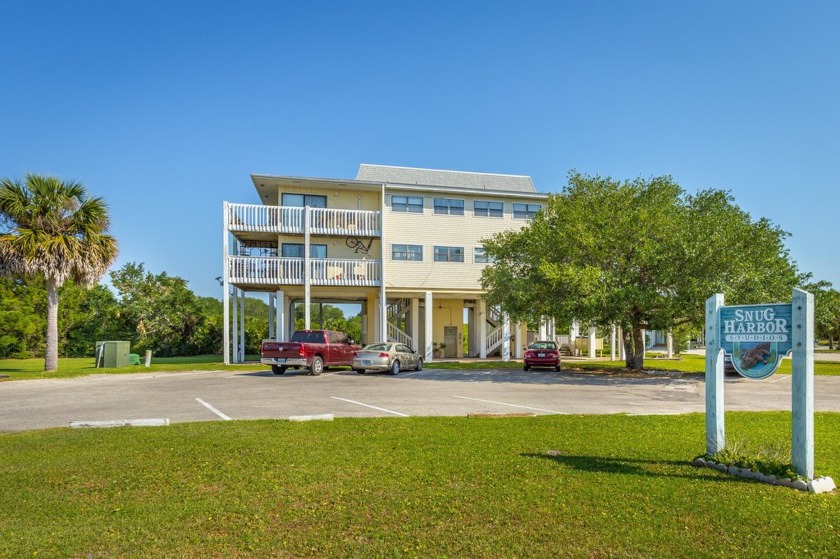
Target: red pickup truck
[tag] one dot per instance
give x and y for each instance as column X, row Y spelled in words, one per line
column 309, row 349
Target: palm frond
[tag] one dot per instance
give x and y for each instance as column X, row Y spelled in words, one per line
column 55, row 230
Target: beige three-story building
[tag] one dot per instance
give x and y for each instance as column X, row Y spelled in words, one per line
column 405, row 243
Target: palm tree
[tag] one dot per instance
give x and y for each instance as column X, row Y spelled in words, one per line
column 51, row 228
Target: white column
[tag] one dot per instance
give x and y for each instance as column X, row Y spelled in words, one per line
column 377, row 332
column 242, row 326
column 383, row 298
column 383, row 314
column 226, row 318
column 543, row 334
column 415, row 323
column 307, row 272
column 521, row 339
column 802, row 400
column 612, row 343
column 574, row 331
column 471, row 331
column 715, row 431
column 622, row 351
column 280, row 299
column 271, row 312
column 482, row 329
column 669, row 342
column 428, row 327
column 591, row 342
column 505, row 336
column 235, row 321
column 225, row 284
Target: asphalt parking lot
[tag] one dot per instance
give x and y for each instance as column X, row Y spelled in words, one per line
column 230, row 395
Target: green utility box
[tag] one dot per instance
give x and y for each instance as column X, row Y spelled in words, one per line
column 112, row 354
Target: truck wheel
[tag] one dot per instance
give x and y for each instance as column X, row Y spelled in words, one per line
column 278, row 370
column 317, row 366
column 395, row 368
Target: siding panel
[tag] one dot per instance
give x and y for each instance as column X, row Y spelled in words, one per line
column 430, row 230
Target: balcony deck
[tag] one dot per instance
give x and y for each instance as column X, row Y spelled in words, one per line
column 255, row 218
column 253, row 270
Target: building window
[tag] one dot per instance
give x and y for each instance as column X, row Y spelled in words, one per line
column 526, row 211
column 489, row 209
column 407, row 252
column 481, row 257
column 449, row 254
column 449, row 206
column 295, row 250
column 413, row 204
column 303, row 200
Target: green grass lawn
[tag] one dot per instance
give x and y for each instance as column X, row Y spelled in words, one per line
column 22, row 369
column 549, row 486
column 690, row 363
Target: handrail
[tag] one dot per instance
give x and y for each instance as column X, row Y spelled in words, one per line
column 494, row 338
column 343, row 271
column 290, row 271
column 399, row 336
column 288, row 219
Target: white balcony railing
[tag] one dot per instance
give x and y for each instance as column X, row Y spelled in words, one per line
column 283, row 219
column 290, row 271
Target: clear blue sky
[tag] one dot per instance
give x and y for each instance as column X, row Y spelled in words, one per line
column 164, row 108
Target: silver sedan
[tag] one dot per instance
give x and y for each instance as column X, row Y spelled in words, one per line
column 387, row 356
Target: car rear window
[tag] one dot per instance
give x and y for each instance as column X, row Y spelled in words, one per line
column 543, row 345
column 308, row 337
column 377, row 347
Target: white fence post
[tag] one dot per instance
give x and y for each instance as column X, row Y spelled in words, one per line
column 715, row 432
column 803, row 383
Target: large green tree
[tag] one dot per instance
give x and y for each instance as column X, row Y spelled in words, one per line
column 158, row 311
column 826, row 311
column 21, row 330
column 641, row 254
column 53, row 229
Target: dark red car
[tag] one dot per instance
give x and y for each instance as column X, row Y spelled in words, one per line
column 542, row 354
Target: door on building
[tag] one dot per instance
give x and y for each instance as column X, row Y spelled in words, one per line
column 450, row 338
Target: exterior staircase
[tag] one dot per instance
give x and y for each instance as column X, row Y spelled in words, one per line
column 396, row 313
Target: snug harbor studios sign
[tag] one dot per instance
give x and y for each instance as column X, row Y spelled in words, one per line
column 756, row 337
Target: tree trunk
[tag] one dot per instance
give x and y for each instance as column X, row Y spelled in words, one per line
column 639, row 347
column 634, row 347
column 51, row 358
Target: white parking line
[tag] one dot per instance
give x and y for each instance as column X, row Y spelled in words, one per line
column 212, row 409
column 369, row 406
column 511, row 405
